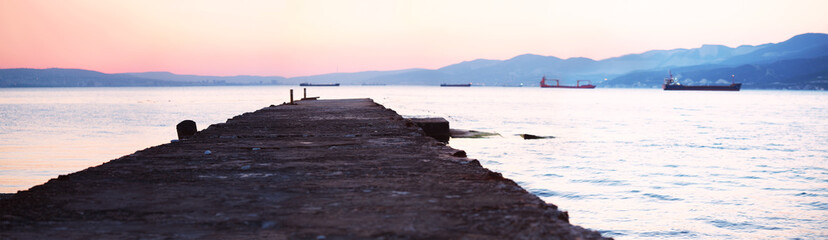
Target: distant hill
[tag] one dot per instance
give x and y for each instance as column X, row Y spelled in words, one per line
column 796, row 74
column 60, row 77
column 620, row 71
column 358, row 78
column 809, row 45
column 208, row 80
column 797, row 63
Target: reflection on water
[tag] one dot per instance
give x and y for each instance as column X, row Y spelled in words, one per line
column 632, row 163
column 52, row 131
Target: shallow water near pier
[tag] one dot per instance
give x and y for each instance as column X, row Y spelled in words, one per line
column 631, row 163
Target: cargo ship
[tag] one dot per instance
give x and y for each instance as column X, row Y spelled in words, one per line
column 670, row 84
column 456, row 85
column 319, row 84
column 558, row 84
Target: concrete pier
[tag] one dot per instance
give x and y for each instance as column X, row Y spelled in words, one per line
column 438, row 128
column 325, row 169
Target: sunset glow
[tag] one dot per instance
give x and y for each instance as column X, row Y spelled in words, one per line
column 298, row 38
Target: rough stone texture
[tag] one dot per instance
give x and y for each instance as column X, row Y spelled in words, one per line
column 332, row 169
column 438, row 128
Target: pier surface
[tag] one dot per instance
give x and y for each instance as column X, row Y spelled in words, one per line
column 325, row 169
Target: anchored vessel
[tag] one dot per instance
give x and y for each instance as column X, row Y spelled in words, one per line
column 670, row 84
column 456, row 85
column 558, row 84
column 319, row 84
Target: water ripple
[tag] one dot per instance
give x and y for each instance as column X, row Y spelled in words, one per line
column 822, row 206
column 662, row 197
column 741, row 225
column 671, row 234
column 605, row 182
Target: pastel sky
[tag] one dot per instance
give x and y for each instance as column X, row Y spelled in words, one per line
column 307, row 37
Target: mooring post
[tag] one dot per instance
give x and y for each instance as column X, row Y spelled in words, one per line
column 305, row 95
column 291, row 96
column 186, row 129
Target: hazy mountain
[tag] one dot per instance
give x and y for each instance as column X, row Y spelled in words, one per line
column 58, row 77
column 810, row 74
column 529, row 68
column 809, row 45
column 357, row 78
column 468, row 66
column 633, row 70
column 798, row 63
column 196, row 79
column 525, row 69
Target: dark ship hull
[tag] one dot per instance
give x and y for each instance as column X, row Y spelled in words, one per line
column 731, row 87
column 564, row 86
column 558, row 84
column 319, row 85
column 455, row 85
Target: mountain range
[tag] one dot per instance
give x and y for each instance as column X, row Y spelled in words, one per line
column 801, row 62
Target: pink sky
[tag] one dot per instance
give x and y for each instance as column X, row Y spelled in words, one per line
column 299, row 38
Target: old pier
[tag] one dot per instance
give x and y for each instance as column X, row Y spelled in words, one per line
column 315, row 169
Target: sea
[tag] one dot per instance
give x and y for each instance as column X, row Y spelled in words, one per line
column 630, row 163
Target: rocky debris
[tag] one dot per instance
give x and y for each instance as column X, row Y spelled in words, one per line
column 530, row 136
column 462, row 133
column 306, row 180
column 460, row 153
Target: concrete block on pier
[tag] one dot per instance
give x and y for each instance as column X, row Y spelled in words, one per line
column 438, row 128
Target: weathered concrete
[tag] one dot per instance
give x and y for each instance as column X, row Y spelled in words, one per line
column 343, row 169
column 438, row 128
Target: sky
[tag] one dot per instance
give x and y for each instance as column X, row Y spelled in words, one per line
column 310, row 37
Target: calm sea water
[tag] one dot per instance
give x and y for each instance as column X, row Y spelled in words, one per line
column 631, row 163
